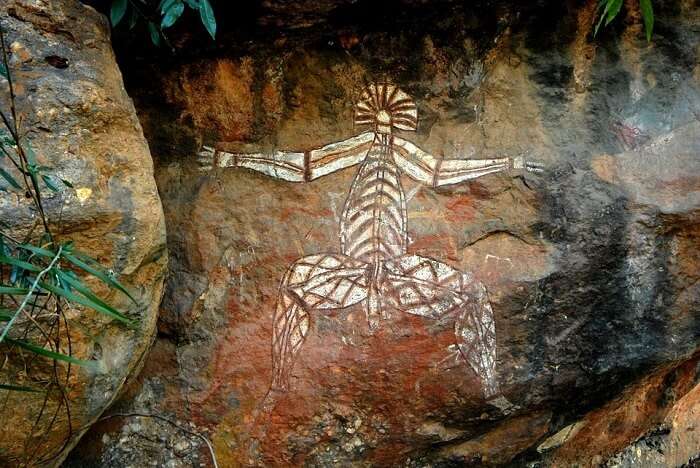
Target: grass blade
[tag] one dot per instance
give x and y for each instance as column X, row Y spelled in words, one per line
column 38, row 250
column 87, row 292
column 10, row 180
column 86, row 302
column 31, row 156
column 51, row 354
column 49, row 183
column 18, row 388
column 82, row 262
column 648, row 16
column 13, row 291
column 19, row 263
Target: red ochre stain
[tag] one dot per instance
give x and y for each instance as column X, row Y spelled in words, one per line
column 400, row 358
column 438, row 246
column 460, row 209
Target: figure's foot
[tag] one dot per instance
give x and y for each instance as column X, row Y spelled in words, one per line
column 455, row 358
column 491, row 390
column 262, row 413
column 502, row 403
column 270, row 400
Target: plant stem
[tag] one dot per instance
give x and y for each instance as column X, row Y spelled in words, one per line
column 13, row 128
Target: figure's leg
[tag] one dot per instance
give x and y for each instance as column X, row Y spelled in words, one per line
column 427, row 287
column 313, row 283
column 290, row 325
column 477, row 329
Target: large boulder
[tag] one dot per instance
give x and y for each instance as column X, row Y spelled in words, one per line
column 81, row 122
column 591, row 267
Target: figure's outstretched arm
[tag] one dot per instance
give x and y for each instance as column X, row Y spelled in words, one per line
column 426, row 168
column 293, row 166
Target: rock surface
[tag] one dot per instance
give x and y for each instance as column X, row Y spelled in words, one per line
column 592, row 268
column 82, row 123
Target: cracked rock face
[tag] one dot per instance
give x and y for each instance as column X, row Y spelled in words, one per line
column 81, row 122
column 143, row 440
column 591, row 267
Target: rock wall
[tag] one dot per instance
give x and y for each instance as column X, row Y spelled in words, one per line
column 81, row 122
column 591, row 267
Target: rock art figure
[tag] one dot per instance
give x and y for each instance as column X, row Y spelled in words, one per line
column 373, row 266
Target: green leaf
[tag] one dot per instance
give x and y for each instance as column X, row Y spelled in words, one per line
column 5, row 137
column 606, row 4
column 49, row 183
column 87, row 292
column 68, row 247
column 133, row 19
column 19, row 263
column 30, row 154
column 5, row 315
column 206, row 13
column 13, row 290
column 613, row 10
column 194, row 4
column 117, row 12
column 38, row 250
column 165, row 5
column 85, row 302
column 172, row 14
column 51, row 354
column 3, row 70
column 18, row 388
column 648, row 16
column 155, row 34
column 32, row 166
column 81, row 261
column 10, row 180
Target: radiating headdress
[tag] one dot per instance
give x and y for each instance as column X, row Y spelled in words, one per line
column 386, row 107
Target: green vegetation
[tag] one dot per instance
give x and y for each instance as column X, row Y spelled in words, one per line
column 166, row 15
column 609, row 9
column 41, row 280
column 168, row 12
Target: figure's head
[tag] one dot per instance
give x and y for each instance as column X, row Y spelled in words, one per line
column 386, row 108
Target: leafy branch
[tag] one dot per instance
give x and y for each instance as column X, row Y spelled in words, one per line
column 165, row 16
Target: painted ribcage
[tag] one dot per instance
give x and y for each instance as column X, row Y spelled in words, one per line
column 373, row 227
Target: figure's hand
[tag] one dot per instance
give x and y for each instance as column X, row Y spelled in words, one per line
column 521, row 164
column 205, row 158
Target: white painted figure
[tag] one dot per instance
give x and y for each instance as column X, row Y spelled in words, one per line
column 373, row 266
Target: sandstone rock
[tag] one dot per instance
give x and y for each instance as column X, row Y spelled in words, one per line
column 591, row 268
column 82, row 123
column 645, row 414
